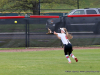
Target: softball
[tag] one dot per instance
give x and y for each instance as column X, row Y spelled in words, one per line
column 15, row 21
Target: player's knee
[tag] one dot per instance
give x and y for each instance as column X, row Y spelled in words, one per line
column 67, row 56
column 71, row 55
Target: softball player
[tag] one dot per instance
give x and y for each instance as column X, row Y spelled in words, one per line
column 64, row 36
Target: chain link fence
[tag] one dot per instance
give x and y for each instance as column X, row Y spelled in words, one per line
column 31, row 32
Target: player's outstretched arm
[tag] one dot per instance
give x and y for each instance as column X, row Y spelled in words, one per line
column 57, row 35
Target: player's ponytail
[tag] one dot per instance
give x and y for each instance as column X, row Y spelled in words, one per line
column 69, row 36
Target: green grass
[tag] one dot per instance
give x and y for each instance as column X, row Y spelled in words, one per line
column 82, row 4
column 49, row 63
column 56, row 6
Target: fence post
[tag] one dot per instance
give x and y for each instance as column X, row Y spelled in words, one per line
column 78, row 4
column 39, row 7
column 26, row 29
column 26, row 33
column 63, row 14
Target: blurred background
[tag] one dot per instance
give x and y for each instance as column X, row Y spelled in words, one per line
column 31, row 32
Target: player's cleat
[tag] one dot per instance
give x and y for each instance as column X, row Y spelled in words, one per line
column 76, row 59
column 69, row 62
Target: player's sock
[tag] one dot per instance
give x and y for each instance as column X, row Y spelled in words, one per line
column 68, row 58
column 72, row 56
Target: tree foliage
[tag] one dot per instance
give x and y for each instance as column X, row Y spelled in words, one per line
column 32, row 5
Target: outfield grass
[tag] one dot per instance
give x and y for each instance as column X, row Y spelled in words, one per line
column 50, row 63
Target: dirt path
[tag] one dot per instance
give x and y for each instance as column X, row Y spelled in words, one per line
column 44, row 49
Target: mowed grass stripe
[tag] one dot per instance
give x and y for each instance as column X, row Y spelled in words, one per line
column 49, row 63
